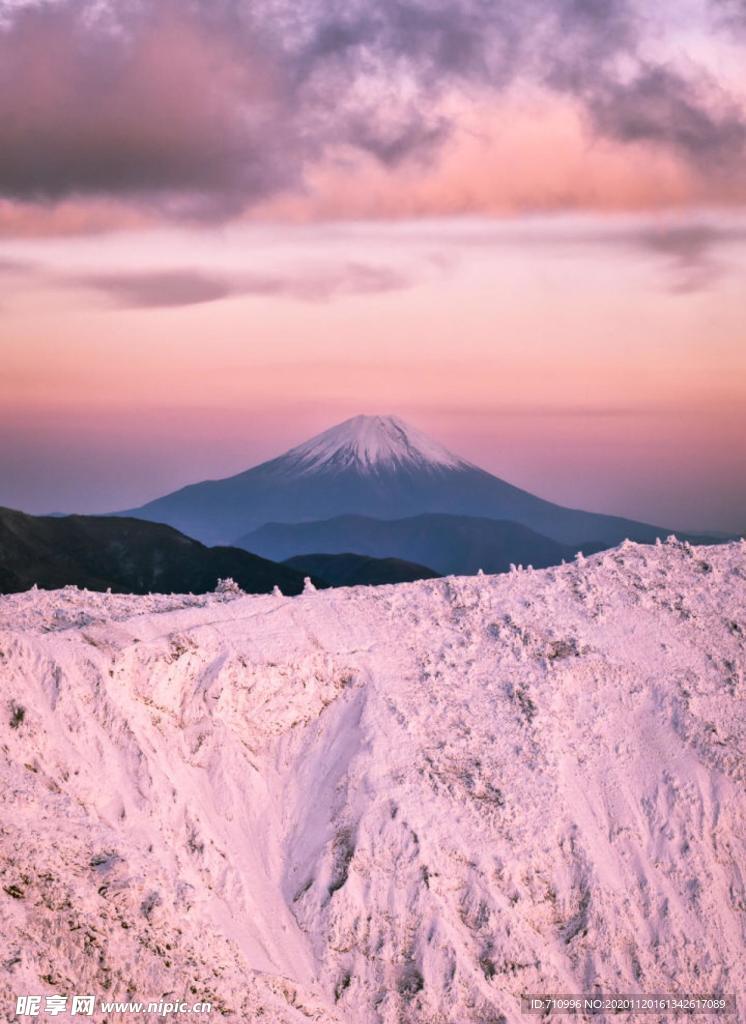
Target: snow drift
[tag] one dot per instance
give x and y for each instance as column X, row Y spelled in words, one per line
column 400, row 804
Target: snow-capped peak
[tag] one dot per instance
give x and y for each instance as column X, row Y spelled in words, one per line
column 371, row 442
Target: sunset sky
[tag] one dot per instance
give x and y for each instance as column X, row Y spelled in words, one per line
column 520, row 225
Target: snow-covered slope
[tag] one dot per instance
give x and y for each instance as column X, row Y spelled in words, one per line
column 392, row 805
column 370, row 443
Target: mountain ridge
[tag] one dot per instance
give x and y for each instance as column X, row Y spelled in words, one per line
column 125, row 555
column 450, row 545
column 349, row 569
column 301, row 485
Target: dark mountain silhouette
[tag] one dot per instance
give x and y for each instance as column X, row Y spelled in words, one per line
column 374, row 466
column 351, row 570
column 448, row 544
column 128, row 555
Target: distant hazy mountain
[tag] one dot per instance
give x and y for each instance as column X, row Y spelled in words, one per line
column 374, row 466
column 128, row 555
column 351, row 570
column 448, row 544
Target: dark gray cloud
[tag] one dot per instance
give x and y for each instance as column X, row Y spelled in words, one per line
column 157, row 290
column 693, row 252
column 660, row 106
column 203, row 107
column 189, row 287
column 164, row 100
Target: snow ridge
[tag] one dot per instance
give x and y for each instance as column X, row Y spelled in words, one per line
column 370, row 443
column 392, row 805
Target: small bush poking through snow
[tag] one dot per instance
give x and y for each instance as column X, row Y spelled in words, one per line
column 228, row 588
column 17, row 715
column 410, row 982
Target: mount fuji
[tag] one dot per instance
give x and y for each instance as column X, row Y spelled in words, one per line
column 377, row 466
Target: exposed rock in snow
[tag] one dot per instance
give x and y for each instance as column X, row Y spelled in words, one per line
column 392, row 805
